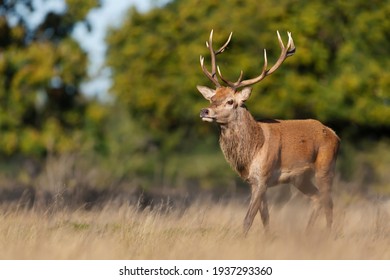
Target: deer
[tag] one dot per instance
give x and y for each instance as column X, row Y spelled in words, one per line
column 270, row 152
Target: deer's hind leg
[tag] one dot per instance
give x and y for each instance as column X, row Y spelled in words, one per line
column 324, row 183
column 325, row 167
column 306, row 186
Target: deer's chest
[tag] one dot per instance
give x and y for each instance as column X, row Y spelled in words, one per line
column 237, row 149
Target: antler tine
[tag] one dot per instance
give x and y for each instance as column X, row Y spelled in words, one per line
column 287, row 51
column 281, row 41
column 222, row 49
column 241, row 83
column 233, row 85
column 223, row 79
column 212, row 52
column 240, row 78
column 208, row 74
column 291, row 46
column 209, row 44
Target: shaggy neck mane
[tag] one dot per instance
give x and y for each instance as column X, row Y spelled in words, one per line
column 240, row 139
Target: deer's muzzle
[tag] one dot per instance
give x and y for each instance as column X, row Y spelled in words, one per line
column 205, row 115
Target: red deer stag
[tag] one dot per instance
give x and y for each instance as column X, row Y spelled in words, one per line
column 267, row 153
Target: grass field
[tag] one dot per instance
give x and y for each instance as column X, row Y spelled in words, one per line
column 205, row 230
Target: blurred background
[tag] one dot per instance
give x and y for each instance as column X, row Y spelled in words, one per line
column 98, row 99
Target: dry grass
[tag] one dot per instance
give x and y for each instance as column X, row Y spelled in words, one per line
column 203, row 231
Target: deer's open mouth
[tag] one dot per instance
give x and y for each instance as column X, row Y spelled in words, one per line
column 207, row 119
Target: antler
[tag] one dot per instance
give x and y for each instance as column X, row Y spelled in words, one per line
column 287, row 51
column 212, row 76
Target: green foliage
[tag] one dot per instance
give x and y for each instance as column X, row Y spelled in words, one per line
column 41, row 69
column 78, row 10
column 369, row 170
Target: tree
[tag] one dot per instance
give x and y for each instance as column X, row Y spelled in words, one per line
column 41, row 69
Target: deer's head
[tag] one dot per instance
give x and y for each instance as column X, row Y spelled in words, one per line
column 224, row 103
column 225, row 100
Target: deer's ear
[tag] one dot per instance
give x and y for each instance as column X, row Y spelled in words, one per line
column 244, row 94
column 207, row 93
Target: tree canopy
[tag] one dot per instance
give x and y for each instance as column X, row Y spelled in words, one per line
column 41, row 69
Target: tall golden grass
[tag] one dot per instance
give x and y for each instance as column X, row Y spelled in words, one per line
column 205, row 230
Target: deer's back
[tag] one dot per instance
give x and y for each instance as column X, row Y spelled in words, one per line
column 299, row 143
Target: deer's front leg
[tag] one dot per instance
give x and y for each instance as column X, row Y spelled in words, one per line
column 264, row 214
column 258, row 202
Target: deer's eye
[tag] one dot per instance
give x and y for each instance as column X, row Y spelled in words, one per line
column 230, row 102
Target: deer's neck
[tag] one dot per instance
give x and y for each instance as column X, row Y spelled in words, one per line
column 240, row 140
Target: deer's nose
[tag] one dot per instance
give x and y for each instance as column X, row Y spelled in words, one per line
column 204, row 112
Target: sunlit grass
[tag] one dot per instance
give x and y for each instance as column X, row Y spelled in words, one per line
column 205, row 230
